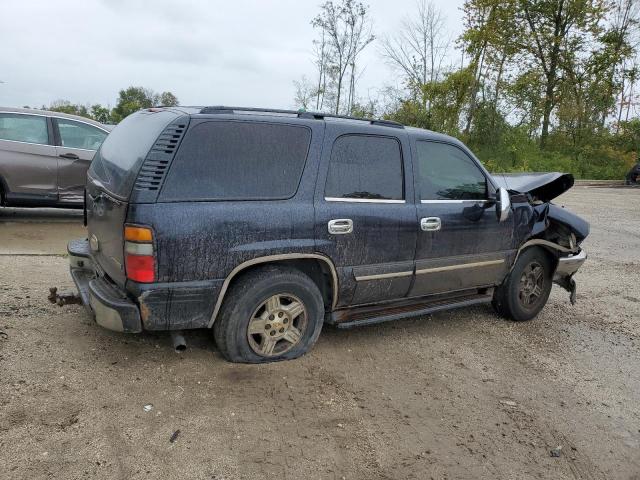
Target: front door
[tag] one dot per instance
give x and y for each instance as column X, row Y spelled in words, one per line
column 77, row 144
column 461, row 244
column 364, row 212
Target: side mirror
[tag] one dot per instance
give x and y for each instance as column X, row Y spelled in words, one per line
column 503, row 204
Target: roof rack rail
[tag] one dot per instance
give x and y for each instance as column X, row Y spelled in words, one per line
column 220, row 109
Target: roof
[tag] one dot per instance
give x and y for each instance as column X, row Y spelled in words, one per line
column 49, row 113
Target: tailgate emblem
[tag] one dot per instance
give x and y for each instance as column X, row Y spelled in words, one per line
column 93, row 243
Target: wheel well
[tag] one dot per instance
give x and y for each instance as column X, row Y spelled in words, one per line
column 549, row 251
column 318, row 270
column 315, row 266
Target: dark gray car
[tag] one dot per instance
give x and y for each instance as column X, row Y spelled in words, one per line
column 44, row 157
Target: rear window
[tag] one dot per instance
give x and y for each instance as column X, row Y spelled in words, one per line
column 230, row 160
column 118, row 160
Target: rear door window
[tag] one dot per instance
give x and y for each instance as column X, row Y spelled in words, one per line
column 24, row 128
column 79, row 135
column 221, row 160
column 446, row 172
column 365, row 167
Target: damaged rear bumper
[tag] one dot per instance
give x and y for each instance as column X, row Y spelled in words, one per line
column 109, row 305
column 567, row 267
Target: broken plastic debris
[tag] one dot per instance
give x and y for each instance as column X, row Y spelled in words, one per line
column 148, row 407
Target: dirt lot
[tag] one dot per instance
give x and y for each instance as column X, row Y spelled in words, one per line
column 455, row 395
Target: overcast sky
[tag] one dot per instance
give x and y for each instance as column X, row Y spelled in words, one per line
column 234, row 52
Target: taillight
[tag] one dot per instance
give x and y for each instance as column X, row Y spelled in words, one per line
column 139, row 259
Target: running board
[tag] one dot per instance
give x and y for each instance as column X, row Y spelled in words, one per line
column 371, row 315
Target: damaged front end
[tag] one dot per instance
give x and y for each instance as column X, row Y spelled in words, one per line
column 542, row 223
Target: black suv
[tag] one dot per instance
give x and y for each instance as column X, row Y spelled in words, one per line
column 265, row 224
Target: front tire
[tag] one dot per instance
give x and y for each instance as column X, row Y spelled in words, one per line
column 526, row 290
column 271, row 314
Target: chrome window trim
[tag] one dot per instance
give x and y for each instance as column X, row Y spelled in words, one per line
column 28, row 143
column 76, row 148
column 455, row 201
column 274, row 258
column 362, row 200
column 380, row 276
column 459, row 266
column 80, row 121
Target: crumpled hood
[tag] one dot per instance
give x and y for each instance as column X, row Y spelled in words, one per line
column 542, row 186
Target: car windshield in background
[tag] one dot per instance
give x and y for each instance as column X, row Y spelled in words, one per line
column 118, row 160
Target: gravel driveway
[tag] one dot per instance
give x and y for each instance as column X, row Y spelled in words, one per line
column 457, row 395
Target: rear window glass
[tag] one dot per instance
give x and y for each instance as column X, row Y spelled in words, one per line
column 118, row 160
column 238, row 161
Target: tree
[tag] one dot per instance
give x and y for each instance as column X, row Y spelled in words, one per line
column 346, row 28
column 419, row 48
column 133, row 99
column 551, row 29
column 305, row 93
column 101, row 114
column 65, row 106
column 167, row 99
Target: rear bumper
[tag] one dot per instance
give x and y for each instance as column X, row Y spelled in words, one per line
column 109, row 305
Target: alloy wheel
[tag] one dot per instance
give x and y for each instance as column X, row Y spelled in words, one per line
column 531, row 284
column 277, row 325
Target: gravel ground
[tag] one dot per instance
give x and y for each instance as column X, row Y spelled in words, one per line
column 456, row 395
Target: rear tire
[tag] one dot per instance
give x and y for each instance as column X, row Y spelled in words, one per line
column 526, row 290
column 270, row 314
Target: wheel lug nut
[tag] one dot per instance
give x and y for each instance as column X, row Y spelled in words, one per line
column 280, row 314
column 271, row 317
column 267, row 326
column 286, row 320
column 282, row 330
column 272, row 333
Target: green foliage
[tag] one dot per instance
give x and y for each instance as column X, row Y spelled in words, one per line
column 130, row 100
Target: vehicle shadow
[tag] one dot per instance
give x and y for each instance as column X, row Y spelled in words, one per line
column 64, row 215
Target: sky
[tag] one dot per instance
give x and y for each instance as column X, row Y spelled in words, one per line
column 233, row 52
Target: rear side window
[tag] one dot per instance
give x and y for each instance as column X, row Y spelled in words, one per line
column 448, row 173
column 24, row 128
column 238, row 161
column 79, row 135
column 365, row 167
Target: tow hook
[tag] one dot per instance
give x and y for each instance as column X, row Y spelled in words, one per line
column 63, row 298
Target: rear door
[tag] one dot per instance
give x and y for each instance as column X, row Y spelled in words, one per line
column 365, row 217
column 461, row 244
column 76, row 144
column 28, row 162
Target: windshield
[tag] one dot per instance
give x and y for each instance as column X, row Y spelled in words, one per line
column 118, row 160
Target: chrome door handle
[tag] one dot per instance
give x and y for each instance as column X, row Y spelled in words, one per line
column 340, row 226
column 430, row 224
